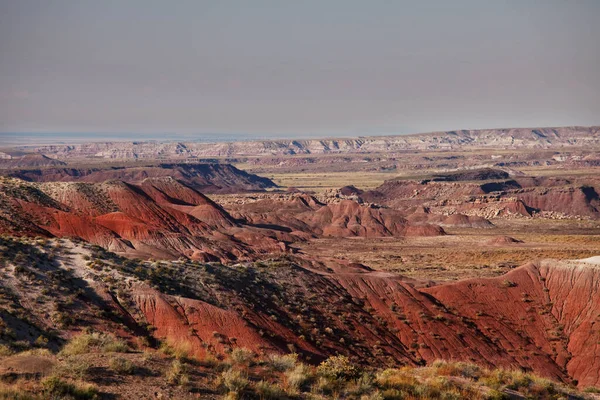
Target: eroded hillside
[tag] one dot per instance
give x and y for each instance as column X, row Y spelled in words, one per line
column 540, row 317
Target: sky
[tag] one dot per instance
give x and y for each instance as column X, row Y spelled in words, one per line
column 284, row 68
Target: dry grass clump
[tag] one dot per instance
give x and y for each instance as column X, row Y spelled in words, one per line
column 269, row 391
column 180, row 351
column 56, row 388
column 5, row 351
column 298, row 379
column 241, row 356
column 72, row 367
column 282, row 363
column 528, row 384
column 94, row 342
column 177, row 374
column 235, row 381
column 121, row 365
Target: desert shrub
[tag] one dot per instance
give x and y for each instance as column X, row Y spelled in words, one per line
column 15, row 392
column 396, row 379
column 298, row 378
column 282, row 363
column 234, row 380
column 376, row 395
column 241, row 356
column 338, row 367
column 56, row 388
column 89, row 342
column 5, row 350
column 268, row 390
column 41, row 341
column 72, row 367
column 462, row 369
column 363, row 385
column 177, row 374
column 121, row 365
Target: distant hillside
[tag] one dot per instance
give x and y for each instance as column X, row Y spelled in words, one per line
column 209, row 178
column 542, row 138
column 28, row 161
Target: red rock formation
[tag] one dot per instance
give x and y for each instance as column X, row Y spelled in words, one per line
column 344, row 219
column 164, row 219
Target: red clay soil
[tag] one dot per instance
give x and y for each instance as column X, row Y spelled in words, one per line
column 539, row 317
column 30, row 161
column 577, row 200
column 537, row 313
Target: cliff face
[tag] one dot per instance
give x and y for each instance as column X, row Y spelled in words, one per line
column 498, row 138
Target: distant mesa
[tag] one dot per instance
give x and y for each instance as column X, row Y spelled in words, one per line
column 472, row 175
column 513, row 138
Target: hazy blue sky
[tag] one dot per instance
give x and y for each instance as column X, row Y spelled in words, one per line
column 306, row 67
